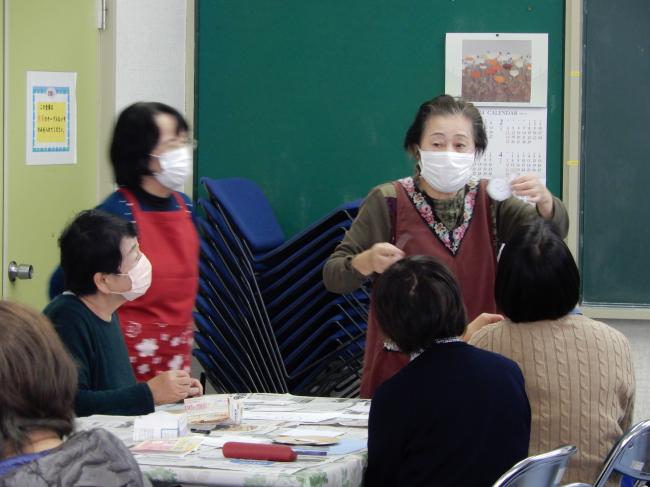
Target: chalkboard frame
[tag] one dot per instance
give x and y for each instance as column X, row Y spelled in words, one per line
column 614, row 168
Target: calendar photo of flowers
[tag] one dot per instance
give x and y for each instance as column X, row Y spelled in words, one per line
column 497, row 71
column 500, row 69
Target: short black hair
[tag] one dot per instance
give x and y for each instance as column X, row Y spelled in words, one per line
column 445, row 105
column 135, row 135
column 90, row 244
column 537, row 277
column 417, row 300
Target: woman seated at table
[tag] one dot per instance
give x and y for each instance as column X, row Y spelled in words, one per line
column 455, row 415
column 578, row 372
column 37, row 411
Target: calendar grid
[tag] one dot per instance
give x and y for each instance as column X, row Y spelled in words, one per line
column 516, row 142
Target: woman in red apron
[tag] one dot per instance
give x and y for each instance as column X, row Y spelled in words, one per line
column 442, row 211
column 151, row 158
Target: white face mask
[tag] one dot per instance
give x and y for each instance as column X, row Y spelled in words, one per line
column 140, row 277
column 174, row 168
column 446, row 172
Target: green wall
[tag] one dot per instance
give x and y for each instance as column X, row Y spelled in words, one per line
column 311, row 99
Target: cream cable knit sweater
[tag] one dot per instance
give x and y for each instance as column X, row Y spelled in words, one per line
column 580, row 385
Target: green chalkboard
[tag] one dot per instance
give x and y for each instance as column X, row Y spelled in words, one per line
column 615, row 162
column 312, row 98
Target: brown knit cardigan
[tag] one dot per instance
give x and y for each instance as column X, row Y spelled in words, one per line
column 580, row 384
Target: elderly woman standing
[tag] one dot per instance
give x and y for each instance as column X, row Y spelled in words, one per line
column 442, row 212
column 455, row 415
column 578, row 372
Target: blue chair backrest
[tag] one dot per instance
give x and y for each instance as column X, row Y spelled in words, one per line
column 630, row 456
column 545, row 470
column 216, row 226
column 249, row 210
column 56, row 285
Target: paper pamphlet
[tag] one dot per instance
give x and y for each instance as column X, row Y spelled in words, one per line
column 177, row 446
column 159, row 425
column 213, row 409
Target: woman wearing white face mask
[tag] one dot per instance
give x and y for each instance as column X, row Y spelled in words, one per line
column 152, row 160
column 441, row 211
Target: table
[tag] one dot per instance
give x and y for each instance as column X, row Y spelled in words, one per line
column 264, row 416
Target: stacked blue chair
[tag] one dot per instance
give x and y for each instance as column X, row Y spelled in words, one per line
column 265, row 322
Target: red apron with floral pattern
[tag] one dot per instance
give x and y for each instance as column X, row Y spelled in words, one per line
column 158, row 327
column 468, row 251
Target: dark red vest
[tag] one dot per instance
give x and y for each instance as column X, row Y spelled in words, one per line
column 474, row 266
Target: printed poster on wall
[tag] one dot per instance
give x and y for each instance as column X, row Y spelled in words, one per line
column 51, row 118
column 506, row 77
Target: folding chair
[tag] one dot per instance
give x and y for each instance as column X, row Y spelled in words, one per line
column 336, row 330
column 292, row 331
column 234, row 358
column 340, row 377
column 244, row 205
column 630, row 456
column 242, row 338
column 219, row 365
column 284, row 257
column 217, row 251
column 296, row 290
column 243, row 296
column 318, row 252
column 335, row 346
column 270, row 292
column 315, row 299
column 545, row 470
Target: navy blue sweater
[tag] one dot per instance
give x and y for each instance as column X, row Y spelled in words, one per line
column 455, row 415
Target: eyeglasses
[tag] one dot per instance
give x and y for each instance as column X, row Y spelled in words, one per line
column 177, row 143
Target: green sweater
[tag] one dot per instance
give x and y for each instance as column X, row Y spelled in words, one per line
column 106, row 381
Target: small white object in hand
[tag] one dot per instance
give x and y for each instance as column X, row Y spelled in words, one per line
column 499, row 188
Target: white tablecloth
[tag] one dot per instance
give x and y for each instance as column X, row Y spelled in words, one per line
column 207, row 466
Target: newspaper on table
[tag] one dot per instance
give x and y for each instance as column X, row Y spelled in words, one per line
column 286, row 414
column 298, row 409
column 120, row 426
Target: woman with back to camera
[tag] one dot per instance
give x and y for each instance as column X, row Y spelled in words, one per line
column 441, row 211
column 579, row 374
column 455, row 415
column 151, row 156
column 37, row 413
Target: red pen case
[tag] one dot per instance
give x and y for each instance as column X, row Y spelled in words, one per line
column 258, row 451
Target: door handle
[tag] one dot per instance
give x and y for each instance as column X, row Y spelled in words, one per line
column 20, row 271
